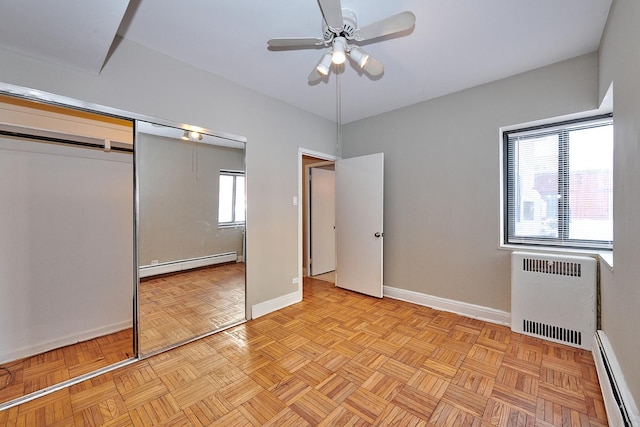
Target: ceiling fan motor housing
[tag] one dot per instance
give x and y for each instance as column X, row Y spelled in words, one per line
column 349, row 26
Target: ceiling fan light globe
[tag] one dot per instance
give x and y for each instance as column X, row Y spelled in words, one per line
column 359, row 56
column 322, row 69
column 339, row 58
column 339, row 50
column 324, row 65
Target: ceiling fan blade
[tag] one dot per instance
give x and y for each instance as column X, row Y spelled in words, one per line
column 296, row 42
column 393, row 24
column 314, row 76
column 373, row 67
column 332, row 11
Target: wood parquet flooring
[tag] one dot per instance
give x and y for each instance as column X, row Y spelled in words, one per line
column 340, row 359
column 46, row 369
column 177, row 307
column 173, row 307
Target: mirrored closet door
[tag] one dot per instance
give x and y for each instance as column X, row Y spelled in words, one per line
column 120, row 238
column 191, row 233
column 67, row 266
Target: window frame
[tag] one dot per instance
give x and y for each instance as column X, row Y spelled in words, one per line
column 562, row 128
column 235, row 174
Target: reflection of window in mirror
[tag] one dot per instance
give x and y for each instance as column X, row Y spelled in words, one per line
column 231, row 209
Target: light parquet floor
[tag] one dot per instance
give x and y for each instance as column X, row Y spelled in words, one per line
column 180, row 306
column 37, row 372
column 327, row 277
column 339, row 358
column 173, row 308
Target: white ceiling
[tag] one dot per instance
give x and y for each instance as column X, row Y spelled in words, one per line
column 78, row 33
column 456, row 44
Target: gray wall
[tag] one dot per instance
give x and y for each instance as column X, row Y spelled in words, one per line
column 178, row 199
column 620, row 64
column 442, row 178
column 143, row 81
column 66, row 245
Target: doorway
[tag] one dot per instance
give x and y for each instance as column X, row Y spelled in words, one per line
column 308, row 161
column 320, row 220
column 358, row 200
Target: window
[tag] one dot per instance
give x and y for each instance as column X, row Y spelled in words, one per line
column 231, row 207
column 559, row 184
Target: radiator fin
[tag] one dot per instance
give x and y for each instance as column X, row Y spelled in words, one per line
column 562, row 268
column 550, row 331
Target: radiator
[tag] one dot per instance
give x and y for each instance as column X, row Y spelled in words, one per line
column 554, row 297
column 186, row 264
column 618, row 401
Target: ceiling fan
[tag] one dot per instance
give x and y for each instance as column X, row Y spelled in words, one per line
column 341, row 33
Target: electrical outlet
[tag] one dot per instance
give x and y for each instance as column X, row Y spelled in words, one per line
column 154, row 262
column 295, row 281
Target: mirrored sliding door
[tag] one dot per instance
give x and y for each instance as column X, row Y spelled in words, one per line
column 66, row 246
column 191, row 196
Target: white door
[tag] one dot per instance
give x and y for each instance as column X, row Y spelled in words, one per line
column 359, row 232
column 322, row 209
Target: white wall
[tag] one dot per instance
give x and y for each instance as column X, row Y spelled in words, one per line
column 66, row 252
column 442, row 178
column 143, row 81
column 620, row 64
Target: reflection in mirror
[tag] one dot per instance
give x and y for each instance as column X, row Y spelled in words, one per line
column 191, row 235
column 66, row 245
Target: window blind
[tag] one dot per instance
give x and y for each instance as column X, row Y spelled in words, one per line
column 559, row 184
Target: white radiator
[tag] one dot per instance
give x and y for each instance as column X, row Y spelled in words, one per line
column 554, row 297
column 186, row 264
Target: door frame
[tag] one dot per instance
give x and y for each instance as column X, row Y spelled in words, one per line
column 301, row 182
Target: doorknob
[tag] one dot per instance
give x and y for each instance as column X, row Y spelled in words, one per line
column 378, row 234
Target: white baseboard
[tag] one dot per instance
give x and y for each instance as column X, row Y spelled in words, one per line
column 64, row 341
column 470, row 310
column 618, row 401
column 272, row 305
column 186, row 264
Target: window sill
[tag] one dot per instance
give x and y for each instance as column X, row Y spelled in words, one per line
column 232, row 225
column 606, row 257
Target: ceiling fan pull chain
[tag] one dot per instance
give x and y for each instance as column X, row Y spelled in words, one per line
column 338, row 114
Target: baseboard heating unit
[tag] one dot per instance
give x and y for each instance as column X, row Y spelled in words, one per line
column 186, row 264
column 618, row 401
column 554, row 297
